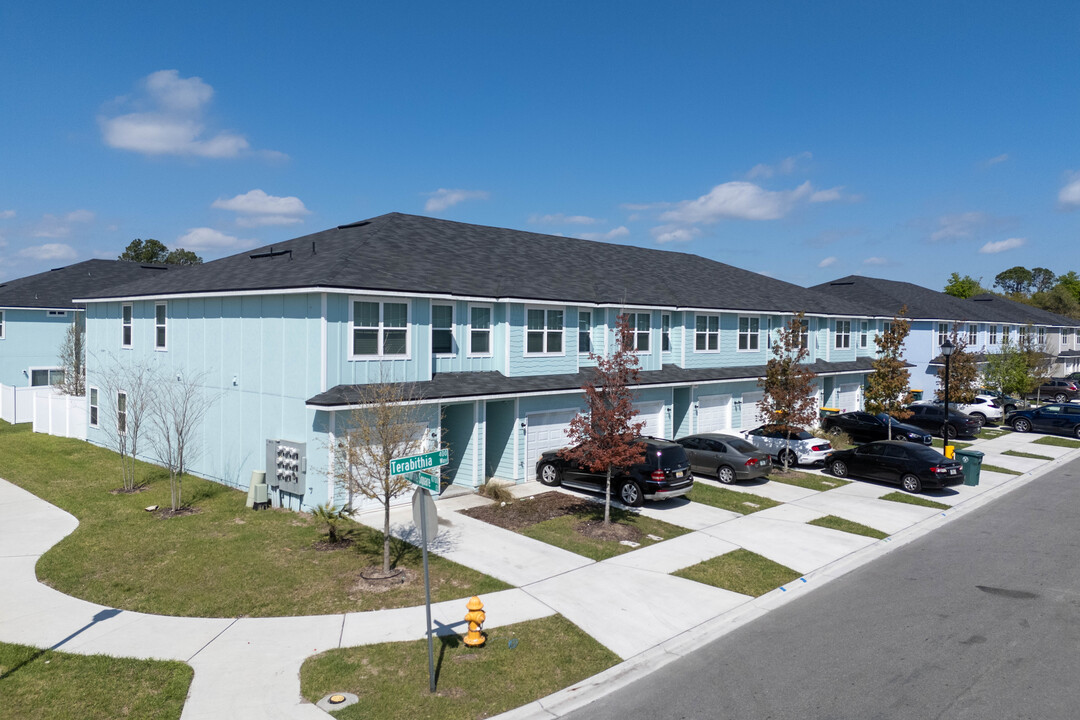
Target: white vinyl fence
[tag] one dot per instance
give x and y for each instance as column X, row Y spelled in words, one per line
column 17, row 403
column 62, row 415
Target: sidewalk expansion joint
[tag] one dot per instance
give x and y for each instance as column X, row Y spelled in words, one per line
column 211, row 640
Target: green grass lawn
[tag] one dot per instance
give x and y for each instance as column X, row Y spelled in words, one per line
column 560, row 531
column 740, row 571
column 46, row 685
column 939, row 444
column 518, row 664
column 838, row 523
column 914, row 500
column 739, row 502
column 807, row 480
column 222, row 561
column 1057, row 442
column 989, row 433
column 1033, row 456
column 1002, row 470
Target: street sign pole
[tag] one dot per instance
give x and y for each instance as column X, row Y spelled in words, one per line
column 427, row 590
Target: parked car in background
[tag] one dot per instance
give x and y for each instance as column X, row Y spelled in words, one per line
column 728, row 457
column 799, row 446
column 1055, row 389
column 1062, row 418
column 1006, row 402
column 931, row 417
column 663, row 473
column 912, row 467
column 985, row 408
column 867, row 427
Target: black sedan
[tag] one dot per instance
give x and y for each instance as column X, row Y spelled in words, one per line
column 867, row 427
column 932, row 418
column 728, row 457
column 911, row 466
column 1057, row 418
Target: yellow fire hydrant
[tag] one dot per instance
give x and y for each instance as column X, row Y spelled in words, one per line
column 475, row 617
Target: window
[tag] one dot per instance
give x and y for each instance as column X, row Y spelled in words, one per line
column 1021, row 335
column 749, row 328
column 993, row 334
column 843, row 333
column 93, row 407
column 160, row 312
column 973, row 335
column 665, row 333
column 584, row 331
column 379, row 329
column 887, row 327
column 442, row 329
column 804, row 334
column 1042, row 335
column 707, row 333
column 57, row 313
column 639, row 328
column 942, row 333
column 544, row 333
column 121, row 412
column 864, row 326
column 43, row 377
column 1, row 324
column 125, row 340
column 479, row 330
column 1005, row 334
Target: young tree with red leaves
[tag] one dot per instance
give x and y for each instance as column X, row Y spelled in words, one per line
column 603, row 437
column 790, row 399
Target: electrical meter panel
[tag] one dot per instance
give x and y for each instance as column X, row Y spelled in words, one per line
column 286, row 466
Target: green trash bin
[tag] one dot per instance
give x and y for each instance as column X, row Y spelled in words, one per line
column 971, row 464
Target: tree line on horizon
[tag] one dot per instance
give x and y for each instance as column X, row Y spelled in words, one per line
column 1039, row 287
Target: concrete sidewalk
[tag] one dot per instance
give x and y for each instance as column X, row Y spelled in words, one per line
column 249, row 667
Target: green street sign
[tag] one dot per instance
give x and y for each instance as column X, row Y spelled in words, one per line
column 428, row 481
column 418, row 463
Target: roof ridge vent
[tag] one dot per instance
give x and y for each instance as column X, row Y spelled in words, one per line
column 361, row 223
column 845, row 282
column 272, row 253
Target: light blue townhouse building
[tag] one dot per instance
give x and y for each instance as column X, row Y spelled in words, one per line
column 492, row 326
column 984, row 323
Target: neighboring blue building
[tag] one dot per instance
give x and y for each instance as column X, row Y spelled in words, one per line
column 493, row 326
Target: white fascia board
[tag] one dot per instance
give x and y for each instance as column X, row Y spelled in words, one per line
column 53, row 309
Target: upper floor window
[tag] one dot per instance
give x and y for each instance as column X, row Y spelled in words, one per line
column 442, row 329
column 1042, row 335
column 665, row 333
column 1005, row 334
column 125, row 323
column 973, row 335
column 749, row 329
column 804, row 334
column 1021, row 335
column 479, row 330
column 639, row 329
column 993, row 329
column 57, row 313
column 843, row 333
column 1, row 324
column 864, row 330
column 584, row 331
column 544, row 331
column 942, row 333
column 707, row 333
column 380, row 329
column 160, row 312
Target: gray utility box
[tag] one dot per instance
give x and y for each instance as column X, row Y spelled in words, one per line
column 286, row 466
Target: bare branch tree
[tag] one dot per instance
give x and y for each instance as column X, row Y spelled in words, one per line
column 73, row 358
column 127, row 392
column 388, row 422
column 176, row 415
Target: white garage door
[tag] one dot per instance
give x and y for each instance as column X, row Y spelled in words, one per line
column 714, row 413
column 652, row 414
column 749, row 419
column 848, row 398
column 545, row 431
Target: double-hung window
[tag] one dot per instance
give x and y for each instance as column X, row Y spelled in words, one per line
column 804, row 334
column 1005, row 334
column 749, row 329
column 480, row 330
column 121, row 413
column 942, row 333
column 640, row 324
column 1, row 324
column 442, row 329
column 125, row 324
column 93, row 407
column 160, row 313
column 544, row 334
column 993, row 334
column 843, row 334
column 380, row 329
column 1042, row 335
column 864, row 327
column 973, row 335
column 1021, row 334
column 706, row 333
column 665, row 332
column 584, row 331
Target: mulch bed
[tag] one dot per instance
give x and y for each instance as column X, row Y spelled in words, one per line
column 520, row 514
column 372, row 580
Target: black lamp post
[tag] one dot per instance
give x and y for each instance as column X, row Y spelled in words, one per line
column 946, row 350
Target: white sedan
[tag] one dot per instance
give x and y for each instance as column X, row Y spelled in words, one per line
column 800, row 447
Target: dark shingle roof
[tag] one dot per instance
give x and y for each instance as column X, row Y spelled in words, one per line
column 58, row 288
column 445, row 386
column 1007, row 310
column 425, row 255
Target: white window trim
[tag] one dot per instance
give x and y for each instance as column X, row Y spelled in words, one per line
column 588, row 332
column 453, row 329
column 117, row 408
column 632, row 316
column 37, row 368
column 665, row 334
column 353, row 299
column 3, row 327
column 91, row 406
column 707, row 333
column 993, row 335
column 837, row 335
column 545, row 331
column 165, row 347
column 864, row 333
column 942, row 333
column 749, row 334
column 973, row 334
column 490, row 331
column 130, row 325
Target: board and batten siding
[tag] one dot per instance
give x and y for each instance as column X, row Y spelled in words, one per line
column 32, row 339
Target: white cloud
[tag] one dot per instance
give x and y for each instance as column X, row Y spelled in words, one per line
column 49, row 251
column 831, row 260
column 997, row 159
column 956, row 227
column 746, row 201
column 997, row 246
column 785, row 167
column 442, row 198
column 1069, row 196
column 5, row 214
column 876, row 261
column 204, row 238
column 58, row 226
column 256, row 208
column 666, row 234
column 168, row 120
column 560, row 219
column 614, row 233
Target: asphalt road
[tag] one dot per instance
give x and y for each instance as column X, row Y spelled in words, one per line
column 978, row 619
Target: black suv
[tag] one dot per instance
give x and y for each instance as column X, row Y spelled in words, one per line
column 932, row 418
column 664, row 473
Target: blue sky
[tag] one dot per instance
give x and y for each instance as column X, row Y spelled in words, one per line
column 803, row 140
